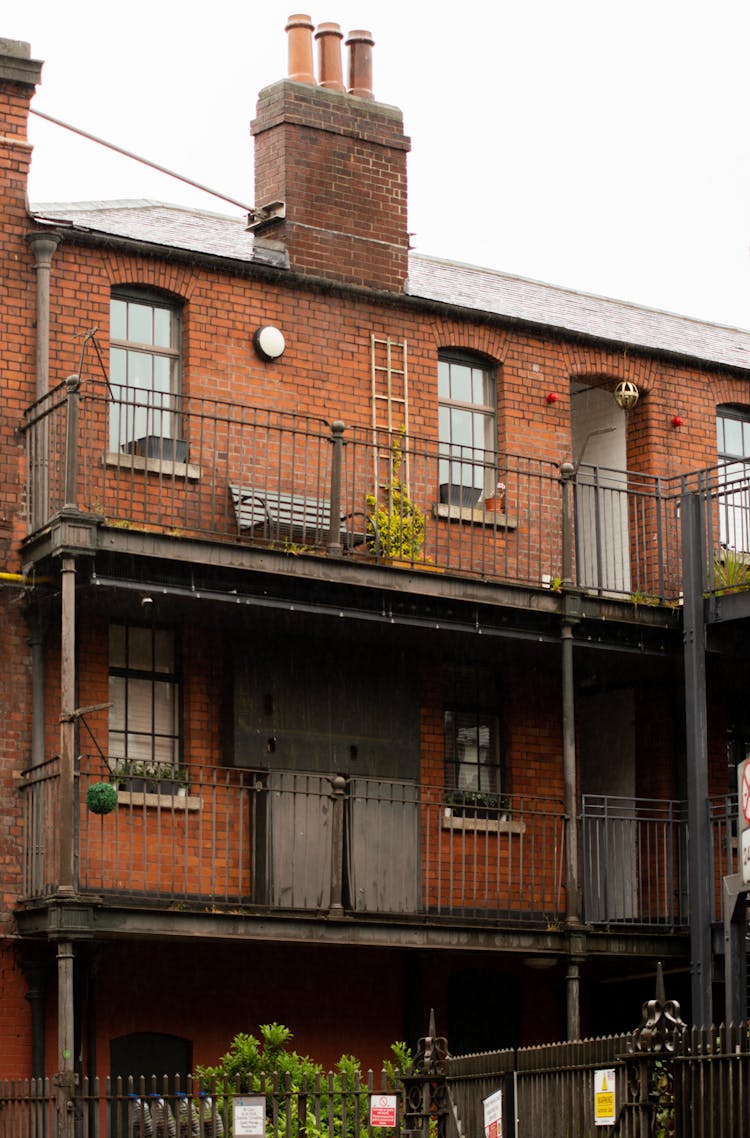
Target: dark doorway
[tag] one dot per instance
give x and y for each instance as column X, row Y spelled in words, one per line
column 150, row 1053
column 483, row 1011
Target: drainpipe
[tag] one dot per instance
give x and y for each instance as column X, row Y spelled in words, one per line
column 36, row 643
column 43, row 246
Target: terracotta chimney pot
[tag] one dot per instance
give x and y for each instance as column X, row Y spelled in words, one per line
column 360, row 46
column 300, row 29
column 330, row 74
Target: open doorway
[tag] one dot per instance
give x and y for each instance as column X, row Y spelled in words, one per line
column 600, row 454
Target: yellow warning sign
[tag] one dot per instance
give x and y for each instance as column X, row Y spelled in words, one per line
column 605, row 1106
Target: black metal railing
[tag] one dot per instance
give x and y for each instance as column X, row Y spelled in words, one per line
column 314, row 842
column 233, row 473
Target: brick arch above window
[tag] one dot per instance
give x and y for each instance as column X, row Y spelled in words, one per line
column 730, row 391
column 177, row 281
column 484, row 340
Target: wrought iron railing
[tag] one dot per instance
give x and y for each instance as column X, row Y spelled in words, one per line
column 304, row 842
column 315, row 843
column 210, row 468
column 634, row 861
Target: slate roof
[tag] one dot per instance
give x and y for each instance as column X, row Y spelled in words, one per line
column 447, row 282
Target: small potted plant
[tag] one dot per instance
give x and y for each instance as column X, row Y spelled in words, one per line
column 496, row 501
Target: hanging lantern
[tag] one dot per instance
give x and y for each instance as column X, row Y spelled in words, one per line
column 626, row 395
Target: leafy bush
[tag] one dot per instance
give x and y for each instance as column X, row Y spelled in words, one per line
column 396, row 525
column 268, row 1064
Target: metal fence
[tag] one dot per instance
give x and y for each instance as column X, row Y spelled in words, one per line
column 697, row 1085
column 335, row 1105
column 659, row 1080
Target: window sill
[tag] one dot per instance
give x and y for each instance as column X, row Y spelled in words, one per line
column 501, row 825
column 169, row 802
column 490, row 518
column 167, row 466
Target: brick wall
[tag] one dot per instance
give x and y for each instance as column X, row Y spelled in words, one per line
column 338, row 162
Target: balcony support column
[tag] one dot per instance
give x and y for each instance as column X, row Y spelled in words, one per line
column 696, row 756
column 573, row 993
column 65, row 884
column 570, row 776
column 65, row 1077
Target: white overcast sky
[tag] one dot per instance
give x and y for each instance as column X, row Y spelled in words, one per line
column 602, row 145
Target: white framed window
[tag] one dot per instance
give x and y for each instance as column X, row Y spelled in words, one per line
column 733, row 451
column 472, row 752
column 467, row 426
column 144, row 363
column 144, row 694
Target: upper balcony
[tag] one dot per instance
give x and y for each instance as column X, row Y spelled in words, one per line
column 237, row 475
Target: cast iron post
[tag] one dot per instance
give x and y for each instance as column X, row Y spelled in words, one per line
column 696, row 757
column 334, row 535
column 426, row 1087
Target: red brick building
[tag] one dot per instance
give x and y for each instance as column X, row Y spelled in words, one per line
column 353, row 581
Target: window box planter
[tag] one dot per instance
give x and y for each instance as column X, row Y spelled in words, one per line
column 452, row 494
column 154, row 446
column 476, row 804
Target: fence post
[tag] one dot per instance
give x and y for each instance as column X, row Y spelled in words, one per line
column 338, row 792
column 567, row 478
column 650, row 1066
column 73, row 386
column 426, row 1087
column 334, row 534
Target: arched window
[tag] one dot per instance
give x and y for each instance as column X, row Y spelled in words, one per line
column 467, row 428
column 144, row 374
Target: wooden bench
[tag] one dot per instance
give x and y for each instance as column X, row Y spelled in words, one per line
column 296, row 517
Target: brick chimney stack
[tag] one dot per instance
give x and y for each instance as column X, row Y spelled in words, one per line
column 19, row 75
column 336, row 159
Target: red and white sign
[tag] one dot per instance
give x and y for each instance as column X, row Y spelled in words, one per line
column 743, row 790
column 493, row 1115
column 383, row 1110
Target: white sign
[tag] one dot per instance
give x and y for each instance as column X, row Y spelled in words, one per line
column 383, row 1110
column 604, row 1098
column 249, row 1116
column 493, row 1115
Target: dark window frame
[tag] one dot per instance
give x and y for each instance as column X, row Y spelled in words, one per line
column 151, row 764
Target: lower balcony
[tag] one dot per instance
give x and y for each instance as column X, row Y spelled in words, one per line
column 315, row 844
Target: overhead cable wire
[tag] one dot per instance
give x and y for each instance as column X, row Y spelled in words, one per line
column 139, row 158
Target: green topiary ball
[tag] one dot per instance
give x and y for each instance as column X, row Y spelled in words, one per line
column 101, row 798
